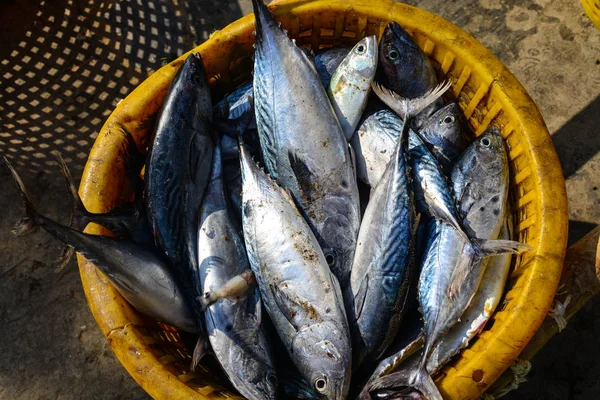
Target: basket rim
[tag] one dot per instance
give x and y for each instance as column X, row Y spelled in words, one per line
column 536, row 294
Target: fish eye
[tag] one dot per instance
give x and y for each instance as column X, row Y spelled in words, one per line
column 330, row 258
column 272, row 378
column 321, row 384
column 360, row 49
column 393, row 54
column 195, row 79
column 486, row 142
column 448, row 119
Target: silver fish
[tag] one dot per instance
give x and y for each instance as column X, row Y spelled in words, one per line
column 302, row 143
column 351, row 84
column 178, row 171
column 478, row 313
column 235, row 331
column 373, row 141
column 383, row 263
column 444, row 135
column 480, row 181
column 143, row 278
column 300, row 293
column 327, row 62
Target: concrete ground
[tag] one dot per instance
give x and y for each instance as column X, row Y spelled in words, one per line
column 50, row 347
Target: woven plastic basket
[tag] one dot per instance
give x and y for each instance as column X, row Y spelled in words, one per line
column 592, row 9
column 487, row 93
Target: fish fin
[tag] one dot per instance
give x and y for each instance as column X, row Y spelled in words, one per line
column 28, row 223
column 361, row 295
column 481, row 248
column 80, row 215
column 291, row 309
column 486, row 248
column 459, row 275
column 444, row 216
column 406, row 382
column 302, row 173
column 409, row 107
column 63, row 259
column 200, row 350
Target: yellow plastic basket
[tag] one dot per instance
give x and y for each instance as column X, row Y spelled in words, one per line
column 487, row 93
column 592, row 9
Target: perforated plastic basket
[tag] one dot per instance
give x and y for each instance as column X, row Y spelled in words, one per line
column 487, row 94
column 592, row 9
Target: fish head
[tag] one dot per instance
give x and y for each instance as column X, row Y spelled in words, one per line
column 192, row 78
column 323, row 356
column 490, row 153
column 406, row 67
column 443, row 130
column 362, row 59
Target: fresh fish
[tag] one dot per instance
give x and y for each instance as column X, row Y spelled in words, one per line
column 302, row 143
column 293, row 385
column 383, row 265
column 478, row 313
column 375, row 138
column 351, row 84
column 144, row 279
column 235, row 331
column 300, row 293
column 432, row 193
column 177, row 174
column 480, row 181
column 406, row 69
column 444, row 135
column 433, row 196
column 450, row 276
column 236, row 103
column 373, row 144
column 327, row 61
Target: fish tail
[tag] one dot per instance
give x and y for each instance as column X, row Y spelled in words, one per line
column 30, row 221
column 200, row 351
column 485, row 248
column 404, row 382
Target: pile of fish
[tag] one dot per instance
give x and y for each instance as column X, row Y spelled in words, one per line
column 321, row 241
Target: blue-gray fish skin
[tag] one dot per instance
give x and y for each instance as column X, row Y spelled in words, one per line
column 327, row 61
column 301, row 295
column 406, row 69
column 235, row 330
column 443, row 132
column 302, row 142
column 144, row 279
column 178, row 171
column 383, row 264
